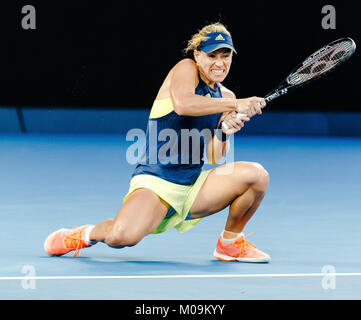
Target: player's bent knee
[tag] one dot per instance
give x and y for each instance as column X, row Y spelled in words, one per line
column 262, row 181
column 120, row 242
column 254, row 175
column 122, row 238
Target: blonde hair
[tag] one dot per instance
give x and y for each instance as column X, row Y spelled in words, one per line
column 200, row 36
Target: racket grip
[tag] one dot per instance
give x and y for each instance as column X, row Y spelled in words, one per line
column 268, row 98
column 239, row 115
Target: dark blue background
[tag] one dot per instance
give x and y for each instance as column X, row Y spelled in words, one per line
column 115, row 54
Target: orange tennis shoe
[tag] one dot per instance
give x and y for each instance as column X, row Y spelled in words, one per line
column 63, row 241
column 240, row 250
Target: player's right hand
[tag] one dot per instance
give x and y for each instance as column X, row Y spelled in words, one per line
column 250, row 106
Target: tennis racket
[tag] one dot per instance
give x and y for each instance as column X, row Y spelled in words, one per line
column 313, row 67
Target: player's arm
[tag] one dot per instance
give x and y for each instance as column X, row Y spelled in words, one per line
column 185, row 101
column 216, row 149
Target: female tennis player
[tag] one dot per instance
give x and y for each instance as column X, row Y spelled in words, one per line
column 173, row 191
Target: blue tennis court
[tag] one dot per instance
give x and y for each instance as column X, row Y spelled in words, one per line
column 309, row 222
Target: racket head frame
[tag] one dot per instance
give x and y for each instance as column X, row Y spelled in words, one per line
column 285, row 86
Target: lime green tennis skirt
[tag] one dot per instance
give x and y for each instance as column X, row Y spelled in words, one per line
column 179, row 197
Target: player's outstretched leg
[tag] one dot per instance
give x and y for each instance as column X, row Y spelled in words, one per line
column 140, row 215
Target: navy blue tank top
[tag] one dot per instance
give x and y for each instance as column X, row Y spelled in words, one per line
column 174, row 149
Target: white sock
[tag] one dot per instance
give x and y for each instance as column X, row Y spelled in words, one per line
column 87, row 234
column 228, row 241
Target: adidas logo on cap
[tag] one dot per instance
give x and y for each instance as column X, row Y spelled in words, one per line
column 219, row 37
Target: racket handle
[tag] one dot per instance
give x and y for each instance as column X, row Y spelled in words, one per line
column 269, row 98
column 239, row 115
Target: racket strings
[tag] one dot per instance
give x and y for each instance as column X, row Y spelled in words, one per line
column 321, row 62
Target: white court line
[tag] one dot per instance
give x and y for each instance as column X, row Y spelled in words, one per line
column 180, row 276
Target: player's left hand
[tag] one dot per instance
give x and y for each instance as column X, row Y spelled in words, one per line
column 234, row 122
